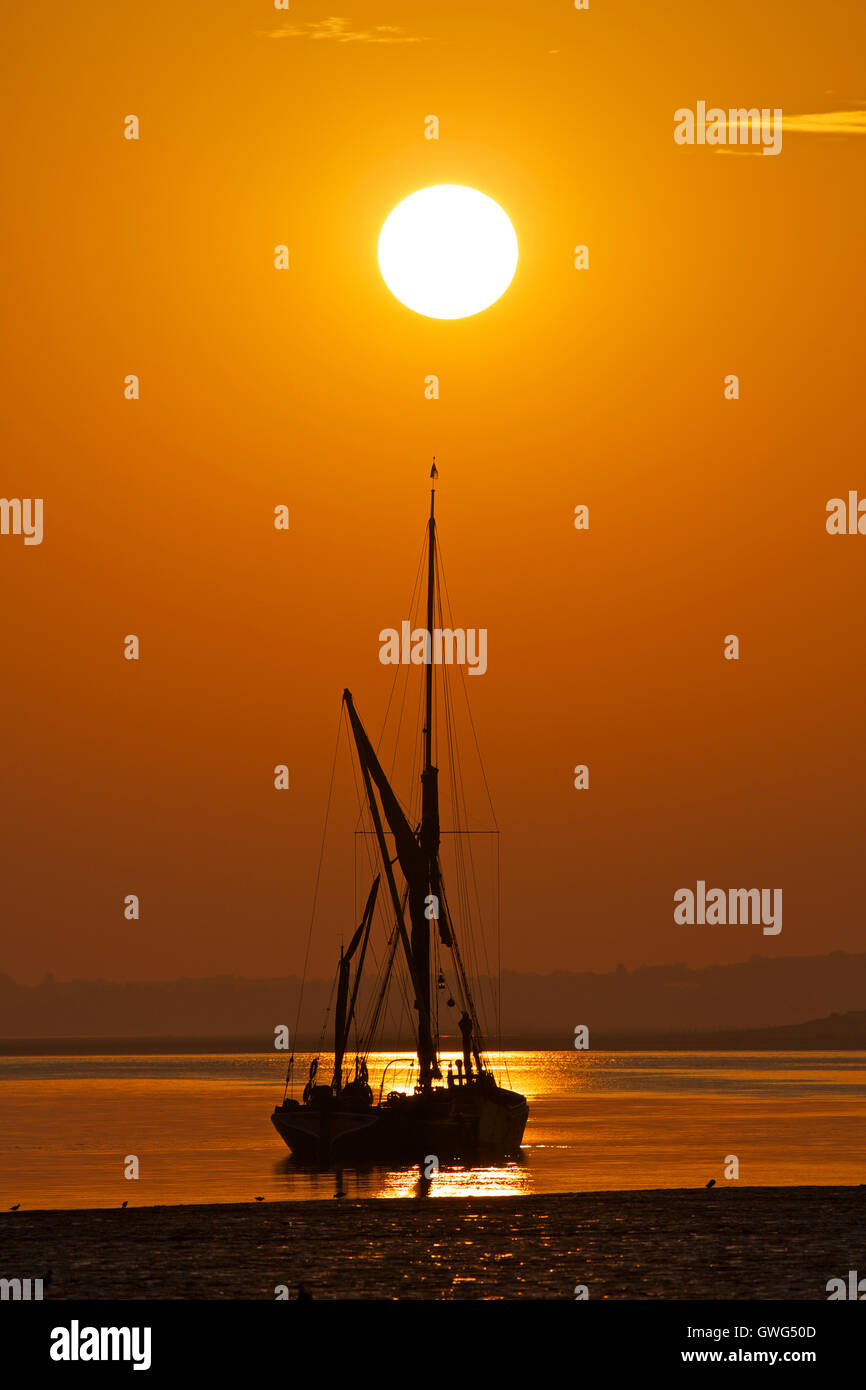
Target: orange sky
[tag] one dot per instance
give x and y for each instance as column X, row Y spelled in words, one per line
column 306, row 387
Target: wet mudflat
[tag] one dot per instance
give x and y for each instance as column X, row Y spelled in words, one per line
column 723, row 1243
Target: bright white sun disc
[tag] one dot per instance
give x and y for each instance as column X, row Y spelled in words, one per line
column 447, row 251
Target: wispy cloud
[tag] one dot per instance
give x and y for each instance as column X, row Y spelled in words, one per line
column 835, row 123
column 827, row 123
column 340, row 31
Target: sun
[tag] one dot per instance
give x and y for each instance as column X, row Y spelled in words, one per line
column 447, row 251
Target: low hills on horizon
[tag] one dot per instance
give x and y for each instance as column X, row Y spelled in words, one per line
column 794, row 1001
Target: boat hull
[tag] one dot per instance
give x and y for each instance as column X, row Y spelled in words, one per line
column 463, row 1123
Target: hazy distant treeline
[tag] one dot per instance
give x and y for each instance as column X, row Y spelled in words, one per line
column 757, row 993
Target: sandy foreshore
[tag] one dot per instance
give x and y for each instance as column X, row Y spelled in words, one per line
column 722, row 1243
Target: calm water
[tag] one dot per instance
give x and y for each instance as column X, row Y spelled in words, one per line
column 200, row 1127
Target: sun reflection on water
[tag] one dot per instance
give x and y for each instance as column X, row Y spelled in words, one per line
column 502, row 1180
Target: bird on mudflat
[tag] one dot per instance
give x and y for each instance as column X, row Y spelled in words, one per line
column 711, row 1183
column 260, row 1199
column 16, row 1206
column 339, row 1194
column 122, row 1205
column 304, row 1295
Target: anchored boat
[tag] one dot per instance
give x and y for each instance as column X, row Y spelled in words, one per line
column 465, row 1113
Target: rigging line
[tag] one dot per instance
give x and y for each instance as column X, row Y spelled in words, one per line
column 370, row 864
column 415, row 803
column 371, row 859
column 402, row 976
column 382, row 995
column 463, row 914
column 414, row 783
column 499, row 958
column 318, row 877
column 363, row 1039
column 416, row 614
column 315, row 898
column 327, row 1011
column 467, row 886
column 469, row 707
column 415, row 588
column 371, row 1025
column 461, row 816
column 464, row 905
column 399, row 727
column 459, row 796
column 359, row 1017
column 372, row 856
column 392, row 691
column 417, row 744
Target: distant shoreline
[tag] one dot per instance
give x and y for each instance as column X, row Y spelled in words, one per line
column 747, row 1003
column 663, row 1244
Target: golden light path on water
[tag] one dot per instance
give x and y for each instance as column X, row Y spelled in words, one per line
column 507, row 1180
column 598, row 1122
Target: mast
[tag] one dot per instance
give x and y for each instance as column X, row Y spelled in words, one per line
column 431, row 582
column 428, row 837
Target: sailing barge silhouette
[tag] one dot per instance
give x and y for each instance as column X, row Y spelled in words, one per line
column 465, row 1114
